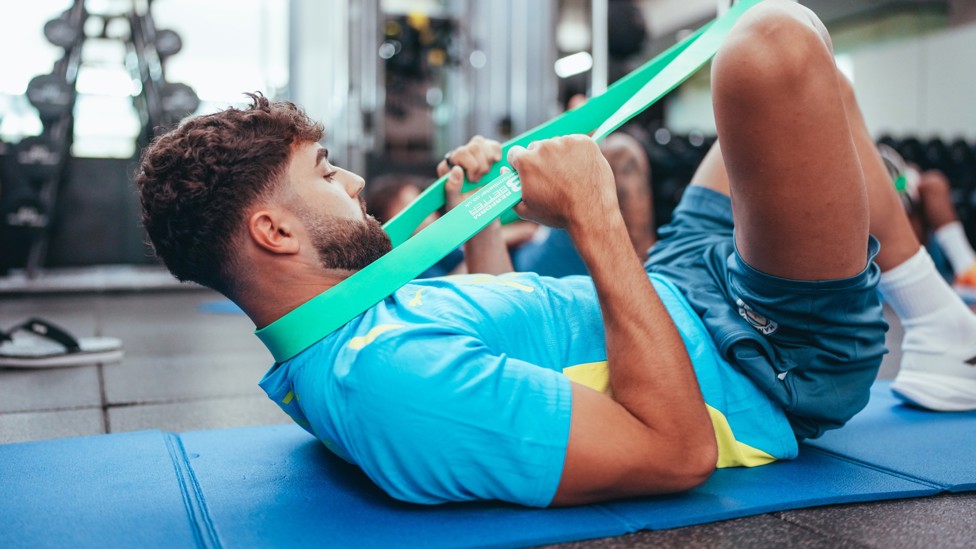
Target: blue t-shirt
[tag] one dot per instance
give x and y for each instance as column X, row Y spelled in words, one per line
column 459, row 388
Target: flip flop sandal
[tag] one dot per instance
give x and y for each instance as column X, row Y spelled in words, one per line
column 40, row 344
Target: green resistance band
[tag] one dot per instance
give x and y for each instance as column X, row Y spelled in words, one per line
column 326, row 312
column 582, row 120
column 901, row 183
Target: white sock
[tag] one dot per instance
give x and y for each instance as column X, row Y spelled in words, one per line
column 951, row 237
column 915, row 289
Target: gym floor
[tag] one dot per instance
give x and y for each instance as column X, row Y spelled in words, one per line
column 187, row 370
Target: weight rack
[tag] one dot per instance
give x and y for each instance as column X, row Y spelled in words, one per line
column 36, row 166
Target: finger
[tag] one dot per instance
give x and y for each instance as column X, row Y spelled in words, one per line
column 514, row 156
column 455, row 179
column 504, row 170
column 482, row 164
column 463, row 157
column 452, row 187
column 472, row 160
column 496, row 151
column 443, row 167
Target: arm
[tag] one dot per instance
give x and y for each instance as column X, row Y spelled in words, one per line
column 654, row 435
column 486, row 251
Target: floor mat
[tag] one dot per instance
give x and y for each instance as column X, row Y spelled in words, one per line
column 276, row 486
column 935, row 447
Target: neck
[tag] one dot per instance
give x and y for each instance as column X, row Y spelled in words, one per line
column 270, row 297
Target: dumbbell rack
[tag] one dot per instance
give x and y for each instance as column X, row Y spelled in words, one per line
column 40, row 161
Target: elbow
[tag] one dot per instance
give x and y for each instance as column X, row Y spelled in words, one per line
column 695, row 464
column 699, row 472
column 696, row 468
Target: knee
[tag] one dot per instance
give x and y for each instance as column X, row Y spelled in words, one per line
column 934, row 184
column 627, row 160
column 776, row 47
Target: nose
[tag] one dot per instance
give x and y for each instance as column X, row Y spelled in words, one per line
column 352, row 183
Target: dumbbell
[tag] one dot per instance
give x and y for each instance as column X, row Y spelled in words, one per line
column 25, row 210
column 51, row 96
column 62, row 33
column 177, row 101
column 168, row 43
column 38, row 157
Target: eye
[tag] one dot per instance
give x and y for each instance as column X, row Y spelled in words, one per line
column 330, row 175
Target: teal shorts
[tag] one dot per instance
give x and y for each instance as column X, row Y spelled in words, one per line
column 813, row 346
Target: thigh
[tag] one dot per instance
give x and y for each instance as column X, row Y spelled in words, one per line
column 797, row 190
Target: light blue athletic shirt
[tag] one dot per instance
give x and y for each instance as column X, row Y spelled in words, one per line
column 458, row 388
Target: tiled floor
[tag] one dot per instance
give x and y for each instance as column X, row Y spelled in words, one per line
column 186, row 370
column 183, row 369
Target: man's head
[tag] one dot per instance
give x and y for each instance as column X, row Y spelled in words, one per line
column 245, row 179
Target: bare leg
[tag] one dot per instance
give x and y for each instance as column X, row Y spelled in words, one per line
column 779, row 114
column 711, row 173
column 889, row 223
column 939, row 330
column 806, row 180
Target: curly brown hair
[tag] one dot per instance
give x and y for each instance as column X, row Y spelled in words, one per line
column 197, row 181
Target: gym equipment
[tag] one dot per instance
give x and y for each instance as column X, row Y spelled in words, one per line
column 39, row 161
column 62, row 32
column 161, row 104
column 600, row 116
column 275, row 486
column 168, row 43
column 51, row 95
column 38, row 157
column 27, row 212
column 941, row 439
column 176, row 102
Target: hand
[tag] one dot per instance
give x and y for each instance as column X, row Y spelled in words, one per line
column 476, row 158
column 485, row 252
column 566, row 181
column 452, row 187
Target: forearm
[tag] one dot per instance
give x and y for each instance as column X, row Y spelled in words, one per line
column 650, row 372
column 486, row 252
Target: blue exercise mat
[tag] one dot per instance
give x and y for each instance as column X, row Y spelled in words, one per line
column 118, row 490
column 934, row 447
column 277, row 486
column 290, row 491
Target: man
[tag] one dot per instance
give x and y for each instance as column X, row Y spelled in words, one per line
column 547, row 391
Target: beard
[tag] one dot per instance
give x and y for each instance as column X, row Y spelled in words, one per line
column 347, row 244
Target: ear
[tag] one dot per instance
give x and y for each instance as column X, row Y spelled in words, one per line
column 273, row 231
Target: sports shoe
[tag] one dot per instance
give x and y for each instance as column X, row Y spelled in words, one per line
column 938, row 377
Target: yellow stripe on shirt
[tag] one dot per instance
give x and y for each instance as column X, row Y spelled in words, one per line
column 359, row 342
column 731, row 452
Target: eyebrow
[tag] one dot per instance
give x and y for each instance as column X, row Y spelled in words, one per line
column 322, row 154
